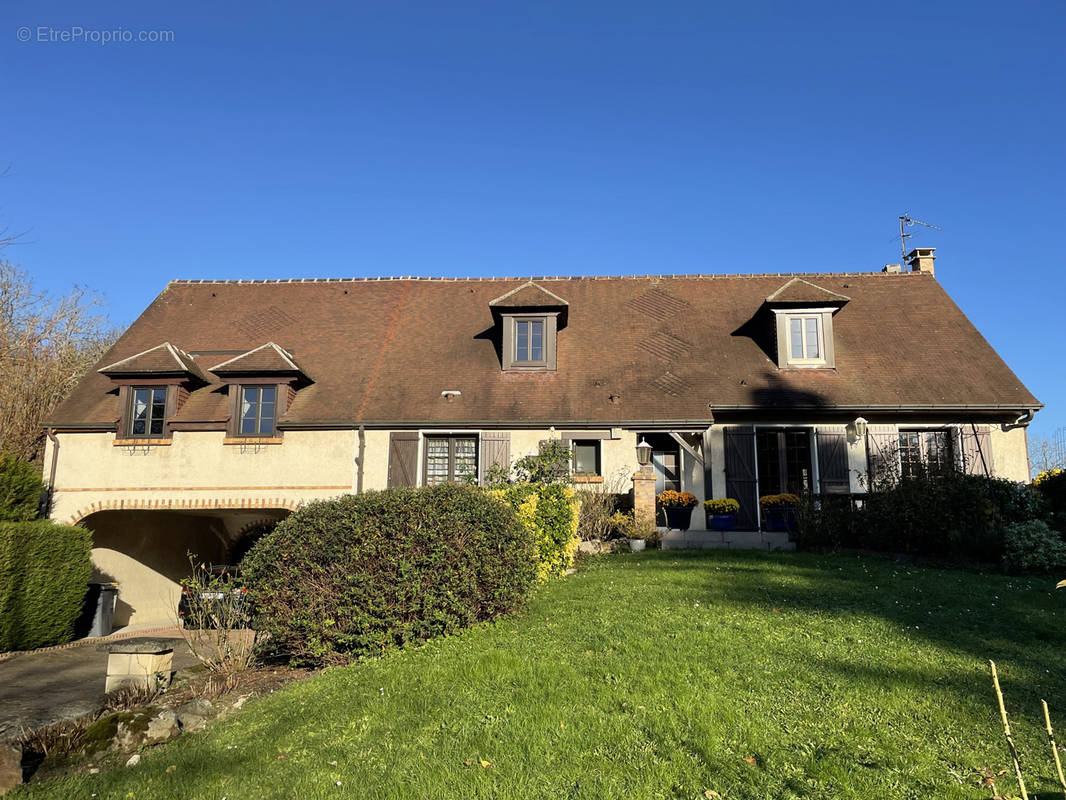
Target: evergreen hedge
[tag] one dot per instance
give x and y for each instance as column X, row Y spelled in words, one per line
column 44, row 569
column 550, row 513
column 365, row 573
column 21, row 489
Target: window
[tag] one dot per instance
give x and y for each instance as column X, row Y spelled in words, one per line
column 529, row 341
column 805, row 338
column 258, row 405
column 923, row 451
column 586, row 460
column 147, row 412
column 450, row 458
column 784, row 460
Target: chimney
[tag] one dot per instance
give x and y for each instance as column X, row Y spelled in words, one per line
column 892, row 268
column 921, row 259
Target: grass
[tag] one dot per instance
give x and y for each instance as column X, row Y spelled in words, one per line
column 662, row 675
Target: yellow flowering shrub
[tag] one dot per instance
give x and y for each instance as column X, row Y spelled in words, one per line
column 549, row 512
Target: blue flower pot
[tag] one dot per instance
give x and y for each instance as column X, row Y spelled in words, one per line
column 723, row 522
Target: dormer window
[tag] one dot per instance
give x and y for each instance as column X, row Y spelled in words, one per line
column 528, row 319
column 803, row 324
column 258, row 404
column 148, row 411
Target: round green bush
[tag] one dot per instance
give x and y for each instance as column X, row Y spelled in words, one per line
column 365, row 573
column 1033, row 547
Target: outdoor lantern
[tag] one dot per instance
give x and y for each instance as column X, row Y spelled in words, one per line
column 860, row 427
column 643, row 453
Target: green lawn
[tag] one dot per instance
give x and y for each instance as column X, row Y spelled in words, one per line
column 662, row 675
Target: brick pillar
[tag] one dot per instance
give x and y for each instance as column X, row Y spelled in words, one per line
column 644, row 494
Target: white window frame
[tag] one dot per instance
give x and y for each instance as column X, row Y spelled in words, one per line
column 823, row 317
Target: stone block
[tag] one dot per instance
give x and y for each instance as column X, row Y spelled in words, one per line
column 10, row 766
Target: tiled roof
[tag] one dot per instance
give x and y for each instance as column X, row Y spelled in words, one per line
column 636, row 348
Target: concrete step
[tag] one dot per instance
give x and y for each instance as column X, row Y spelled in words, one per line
column 726, row 540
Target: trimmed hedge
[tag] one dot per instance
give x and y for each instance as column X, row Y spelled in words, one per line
column 947, row 516
column 21, row 488
column 365, row 573
column 44, row 569
column 550, row 513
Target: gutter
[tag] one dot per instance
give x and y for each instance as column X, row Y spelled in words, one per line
column 649, row 424
column 52, row 470
column 1028, row 410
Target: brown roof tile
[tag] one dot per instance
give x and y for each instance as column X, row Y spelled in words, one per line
column 663, row 347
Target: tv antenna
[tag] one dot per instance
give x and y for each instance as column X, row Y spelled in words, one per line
column 910, row 222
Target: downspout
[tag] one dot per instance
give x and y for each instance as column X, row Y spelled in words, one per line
column 52, row 470
column 359, row 460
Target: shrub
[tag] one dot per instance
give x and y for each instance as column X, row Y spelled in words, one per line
column 1051, row 486
column 550, row 465
column 549, row 513
column 947, row 515
column 633, row 526
column 725, row 505
column 44, row 569
column 599, row 503
column 1032, row 547
column 21, row 488
column 364, row 573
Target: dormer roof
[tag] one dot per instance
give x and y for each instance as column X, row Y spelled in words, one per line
column 267, row 359
column 800, row 292
column 529, row 295
column 162, row 361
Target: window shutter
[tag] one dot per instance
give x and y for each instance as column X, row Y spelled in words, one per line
column 403, row 458
column 976, row 441
column 833, row 472
column 740, row 482
column 882, row 453
column 495, row 449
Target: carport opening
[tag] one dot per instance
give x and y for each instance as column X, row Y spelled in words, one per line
column 147, row 553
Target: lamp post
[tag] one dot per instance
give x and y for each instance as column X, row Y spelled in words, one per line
column 643, row 453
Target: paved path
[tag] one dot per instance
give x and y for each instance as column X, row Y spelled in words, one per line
column 48, row 686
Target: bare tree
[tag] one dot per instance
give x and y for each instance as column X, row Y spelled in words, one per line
column 1047, row 452
column 46, row 344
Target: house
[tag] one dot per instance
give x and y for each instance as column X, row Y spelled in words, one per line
column 227, row 404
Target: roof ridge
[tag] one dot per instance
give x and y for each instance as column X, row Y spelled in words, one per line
column 485, row 279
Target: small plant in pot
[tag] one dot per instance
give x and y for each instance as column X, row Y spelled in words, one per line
column 722, row 513
column 637, row 530
column 678, row 508
column 779, row 511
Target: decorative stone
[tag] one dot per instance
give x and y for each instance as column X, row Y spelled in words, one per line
column 193, row 716
column 145, row 727
column 10, row 766
column 134, row 760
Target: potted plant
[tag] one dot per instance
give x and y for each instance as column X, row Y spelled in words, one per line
column 779, row 511
column 638, row 532
column 678, row 508
column 722, row 513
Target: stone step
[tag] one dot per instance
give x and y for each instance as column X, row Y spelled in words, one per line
column 726, row 540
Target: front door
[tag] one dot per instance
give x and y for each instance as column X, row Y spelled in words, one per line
column 667, row 473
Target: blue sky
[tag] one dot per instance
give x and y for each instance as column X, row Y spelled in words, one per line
column 545, row 138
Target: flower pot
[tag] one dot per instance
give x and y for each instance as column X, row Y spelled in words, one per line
column 779, row 518
column 723, row 522
column 636, row 545
column 678, row 518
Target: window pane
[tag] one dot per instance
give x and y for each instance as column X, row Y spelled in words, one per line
column 436, row 461
column 249, row 410
column 140, row 403
column 586, row 458
column 465, row 459
column 795, row 337
column 536, row 341
column 521, row 341
column 268, row 393
column 138, row 427
column 812, row 337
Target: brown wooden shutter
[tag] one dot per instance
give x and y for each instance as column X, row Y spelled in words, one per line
column 976, row 441
column 740, row 481
column 882, row 453
column 495, row 449
column 403, row 458
column 833, row 472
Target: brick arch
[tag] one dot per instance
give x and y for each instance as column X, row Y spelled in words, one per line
column 172, row 504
